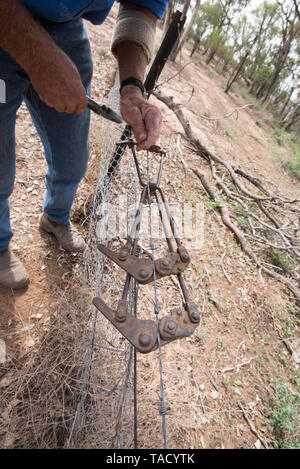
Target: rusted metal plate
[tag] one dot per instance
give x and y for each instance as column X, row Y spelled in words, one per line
column 142, row 333
column 142, row 269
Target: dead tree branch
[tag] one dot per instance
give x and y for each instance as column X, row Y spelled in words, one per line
column 258, row 209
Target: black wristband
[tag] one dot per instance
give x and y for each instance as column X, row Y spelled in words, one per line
column 135, row 82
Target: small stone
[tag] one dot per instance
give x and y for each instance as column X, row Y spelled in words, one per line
column 257, row 444
column 29, row 342
column 36, row 316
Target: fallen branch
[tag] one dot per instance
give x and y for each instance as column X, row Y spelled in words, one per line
column 226, row 217
column 201, row 149
column 251, row 426
column 225, row 370
column 278, row 231
column 241, row 238
column 223, row 268
column 172, row 77
column 225, row 116
column 265, row 203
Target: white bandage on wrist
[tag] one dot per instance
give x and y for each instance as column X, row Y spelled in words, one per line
column 134, row 26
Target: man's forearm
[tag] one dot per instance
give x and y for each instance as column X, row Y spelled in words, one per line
column 22, row 37
column 33, row 48
column 131, row 57
column 132, row 61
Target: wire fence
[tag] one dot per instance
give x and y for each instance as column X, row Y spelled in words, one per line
column 104, row 416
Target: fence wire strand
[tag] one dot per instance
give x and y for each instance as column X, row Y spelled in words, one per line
column 156, row 310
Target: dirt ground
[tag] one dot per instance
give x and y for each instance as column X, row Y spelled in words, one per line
column 218, row 383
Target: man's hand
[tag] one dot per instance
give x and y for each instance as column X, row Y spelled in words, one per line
column 144, row 118
column 53, row 75
column 58, row 84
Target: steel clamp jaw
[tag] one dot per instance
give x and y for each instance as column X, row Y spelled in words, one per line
column 142, row 333
column 142, row 269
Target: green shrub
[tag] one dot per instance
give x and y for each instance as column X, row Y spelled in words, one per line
column 281, row 259
column 284, row 418
column 293, row 165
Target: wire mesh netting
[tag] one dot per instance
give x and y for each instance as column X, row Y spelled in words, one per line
column 105, row 413
column 105, row 410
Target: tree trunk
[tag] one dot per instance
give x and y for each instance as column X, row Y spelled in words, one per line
column 277, row 99
column 295, row 118
column 237, row 73
column 293, row 121
column 167, row 18
column 211, row 56
column 288, row 112
column 260, row 91
column 253, row 87
column 195, row 46
column 288, row 37
column 189, row 27
column 225, row 65
column 279, row 66
column 286, row 101
column 176, row 47
column 252, row 72
column 219, row 61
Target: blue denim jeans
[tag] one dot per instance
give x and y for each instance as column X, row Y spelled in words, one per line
column 65, row 137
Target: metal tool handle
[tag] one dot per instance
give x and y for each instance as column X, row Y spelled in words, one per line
column 104, row 111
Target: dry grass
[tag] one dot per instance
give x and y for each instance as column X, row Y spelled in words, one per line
column 39, row 390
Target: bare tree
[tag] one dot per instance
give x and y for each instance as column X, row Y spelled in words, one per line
column 184, row 12
column 289, row 31
column 293, row 116
column 167, row 17
column 186, row 31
